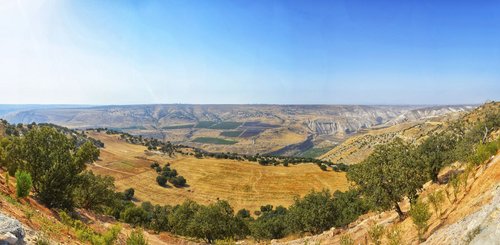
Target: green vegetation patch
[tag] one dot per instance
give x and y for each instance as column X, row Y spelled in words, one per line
column 315, row 152
column 212, row 140
column 231, row 133
column 178, row 126
column 205, row 124
column 226, row 125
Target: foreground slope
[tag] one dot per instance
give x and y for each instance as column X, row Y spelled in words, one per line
column 472, row 218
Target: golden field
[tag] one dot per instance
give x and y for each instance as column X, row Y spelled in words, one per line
column 244, row 184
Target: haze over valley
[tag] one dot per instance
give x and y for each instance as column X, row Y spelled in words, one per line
column 245, row 129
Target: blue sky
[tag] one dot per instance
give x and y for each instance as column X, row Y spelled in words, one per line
column 285, row 52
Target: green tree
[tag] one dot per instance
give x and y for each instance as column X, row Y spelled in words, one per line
column 23, row 184
column 161, row 180
column 420, row 215
column 13, row 154
column 135, row 216
column 87, row 153
column 271, row 224
column 314, row 213
column 181, row 216
column 159, row 218
column 349, row 206
column 54, row 165
column 178, row 181
column 94, row 192
column 437, row 152
column 215, row 222
column 389, row 174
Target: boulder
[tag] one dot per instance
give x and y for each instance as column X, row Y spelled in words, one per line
column 9, row 229
column 8, row 238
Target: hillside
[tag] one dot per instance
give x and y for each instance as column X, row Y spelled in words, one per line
column 471, row 218
column 244, row 184
column 252, row 128
column 357, row 147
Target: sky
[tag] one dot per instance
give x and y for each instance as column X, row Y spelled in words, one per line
column 249, row 52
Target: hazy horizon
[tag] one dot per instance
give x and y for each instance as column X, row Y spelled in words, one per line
column 249, row 52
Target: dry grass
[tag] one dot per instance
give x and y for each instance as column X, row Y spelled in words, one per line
column 243, row 184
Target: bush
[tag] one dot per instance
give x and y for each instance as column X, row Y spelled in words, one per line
column 349, row 206
column 154, row 165
column 215, row 222
column 376, row 232
column 136, row 237
column 436, row 199
column 314, row 213
column 271, row 224
column 243, row 213
column 135, row 216
column 394, row 236
column 419, row 213
column 159, row 218
column 129, row 194
column 23, row 184
column 346, row 240
column 178, row 181
column 161, row 180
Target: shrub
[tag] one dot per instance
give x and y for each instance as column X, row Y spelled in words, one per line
column 419, row 213
column 159, row 218
column 23, row 184
column 135, row 216
column 271, row 224
column 136, row 237
column 215, row 222
column 436, row 199
column 129, row 194
column 394, row 236
column 349, row 206
column 243, row 213
column 178, row 181
column 346, row 240
column 376, row 232
column 161, row 180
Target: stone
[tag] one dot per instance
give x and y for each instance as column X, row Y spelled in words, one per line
column 8, row 238
column 10, row 226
